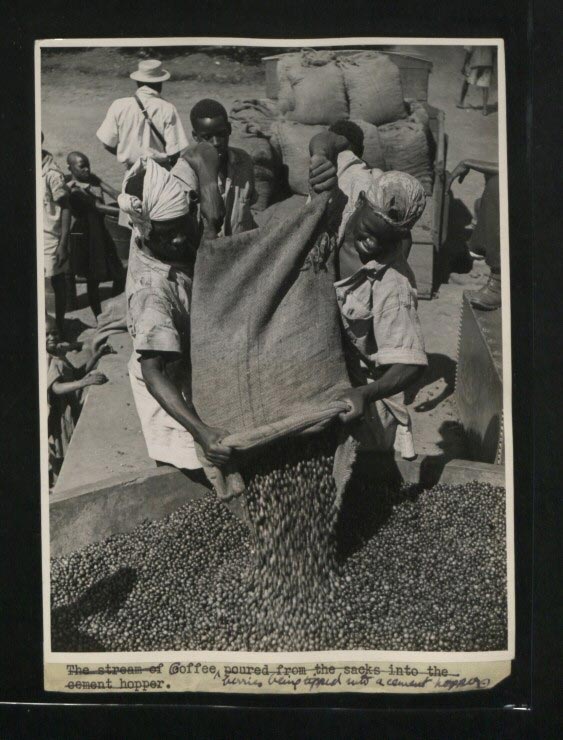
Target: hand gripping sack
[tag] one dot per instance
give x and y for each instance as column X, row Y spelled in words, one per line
column 292, row 139
column 266, row 350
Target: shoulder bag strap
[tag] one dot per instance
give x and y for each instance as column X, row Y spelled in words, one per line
column 154, row 129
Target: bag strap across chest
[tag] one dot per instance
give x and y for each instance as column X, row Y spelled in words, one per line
column 154, row 129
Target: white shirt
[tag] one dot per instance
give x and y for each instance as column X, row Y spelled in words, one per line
column 158, row 319
column 126, row 128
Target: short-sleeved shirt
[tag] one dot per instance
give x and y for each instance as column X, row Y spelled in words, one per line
column 158, row 320
column 237, row 190
column 126, row 128
column 378, row 305
column 54, row 188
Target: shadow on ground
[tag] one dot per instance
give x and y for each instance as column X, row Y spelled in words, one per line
column 454, row 254
column 440, row 367
column 108, row 594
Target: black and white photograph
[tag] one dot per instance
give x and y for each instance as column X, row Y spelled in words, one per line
column 275, row 364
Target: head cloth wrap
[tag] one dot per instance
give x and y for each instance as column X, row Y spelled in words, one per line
column 399, row 199
column 163, row 196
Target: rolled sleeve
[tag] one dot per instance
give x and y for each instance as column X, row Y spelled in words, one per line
column 57, row 185
column 151, row 324
column 108, row 132
column 397, row 329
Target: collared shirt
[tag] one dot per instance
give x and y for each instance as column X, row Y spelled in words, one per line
column 237, row 190
column 378, row 308
column 126, row 128
column 158, row 319
column 54, row 188
column 378, row 305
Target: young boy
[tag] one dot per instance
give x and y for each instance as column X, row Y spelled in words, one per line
column 64, row 385
column 158, row 291
column 378, row 305
column 375, row 290
column 235, row 180
column 94, row 257
column 56, row 231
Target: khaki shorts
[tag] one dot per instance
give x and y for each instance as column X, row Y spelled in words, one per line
column 51, row 263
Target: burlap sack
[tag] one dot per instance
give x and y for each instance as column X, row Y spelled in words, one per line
column 286, row 98
column 319, row 94
column 266, row 165
column 292, row 141
column 374, row 89
column 266, row 350
column 374, row 155
column 406, row 148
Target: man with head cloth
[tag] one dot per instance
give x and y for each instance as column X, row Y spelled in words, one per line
column 166, row 236
column 376, row 294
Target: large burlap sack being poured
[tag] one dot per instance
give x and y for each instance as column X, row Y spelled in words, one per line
column 374, row 89
column 266, row 350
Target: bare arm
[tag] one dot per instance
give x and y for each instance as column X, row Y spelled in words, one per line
column 105, row 349
column 63, row 389
column 60, row 388
column 159, row 385
column 106, row 210
column 204, row 161
column 62, row 249
column 324, row 149
column 462, row 169
column 397, row 378
column 109, row 190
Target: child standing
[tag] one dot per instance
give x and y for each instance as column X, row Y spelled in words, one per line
column 95, row 257
column 477, row 69
column 56, row 231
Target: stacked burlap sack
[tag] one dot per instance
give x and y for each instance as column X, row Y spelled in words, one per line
column 316, row 89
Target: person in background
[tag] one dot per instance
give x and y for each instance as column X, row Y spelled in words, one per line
column 477, row 69
column 95, row 256
column 56, row 231
column 485, row 239
column 65, row 383
column 144, row 125
column 158, row 291
column 235, row 182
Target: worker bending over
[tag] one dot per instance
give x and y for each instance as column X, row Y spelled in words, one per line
column 158, row 291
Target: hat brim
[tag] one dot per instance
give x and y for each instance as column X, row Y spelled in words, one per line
column 140, row 77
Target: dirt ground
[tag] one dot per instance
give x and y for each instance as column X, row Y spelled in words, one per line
column 78, row 87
